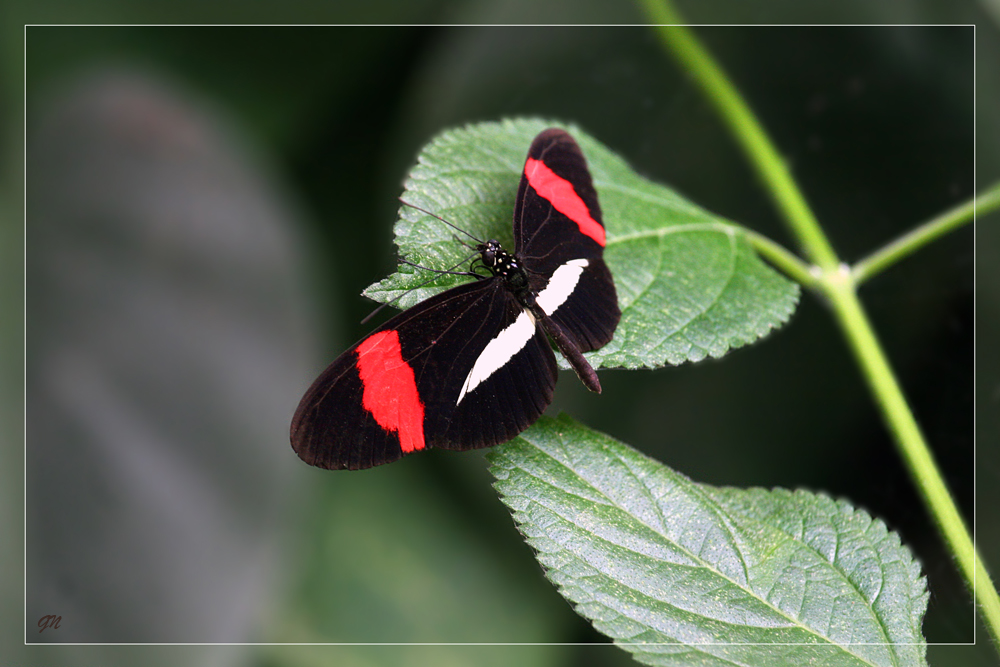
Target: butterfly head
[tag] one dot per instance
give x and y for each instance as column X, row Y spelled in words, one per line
column 489, row 252
column 497, row 260
column 505, row 265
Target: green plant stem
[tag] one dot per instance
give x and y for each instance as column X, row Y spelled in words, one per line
column 771, row 168
column 837, row 283
column 841, row 291
column 787, row 262
column 909, row 243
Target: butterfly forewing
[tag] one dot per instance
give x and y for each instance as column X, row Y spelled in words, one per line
column 397, row 390
column 560, row 237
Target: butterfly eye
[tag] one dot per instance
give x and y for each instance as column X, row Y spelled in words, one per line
column 490, row 253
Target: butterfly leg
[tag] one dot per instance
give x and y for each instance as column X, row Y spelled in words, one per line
column 568, row 348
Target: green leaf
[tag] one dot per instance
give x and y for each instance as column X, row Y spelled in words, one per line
column 680, row 573
column 688, row 282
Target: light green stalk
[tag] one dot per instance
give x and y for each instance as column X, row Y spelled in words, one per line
column 838, row 284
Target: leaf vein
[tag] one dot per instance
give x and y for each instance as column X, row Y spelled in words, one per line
column 719, row 511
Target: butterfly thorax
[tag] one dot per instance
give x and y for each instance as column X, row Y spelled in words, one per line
column 505, row 265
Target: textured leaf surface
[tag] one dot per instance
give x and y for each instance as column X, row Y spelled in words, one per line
column 680, row 573
column 689, row 284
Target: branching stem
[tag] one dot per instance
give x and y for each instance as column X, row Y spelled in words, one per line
column 909, row 243
column 838, row 283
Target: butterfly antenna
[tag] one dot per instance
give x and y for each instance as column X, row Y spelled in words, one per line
column 453, row 273
column 454, row 237
column 450, row 271
column 434, row 215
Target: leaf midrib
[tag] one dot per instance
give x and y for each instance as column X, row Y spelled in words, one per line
column 716, row 509
column 839, row 568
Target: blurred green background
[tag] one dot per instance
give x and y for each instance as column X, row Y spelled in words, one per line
column 204, row 205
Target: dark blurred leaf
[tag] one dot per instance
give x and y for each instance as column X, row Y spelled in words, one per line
column 168, row 349
column 688, row 283
column 169, row 336
column 390, row 559
column 680, row 573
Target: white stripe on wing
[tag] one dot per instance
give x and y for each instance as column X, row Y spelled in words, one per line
column 499, row 351
column 561, row 285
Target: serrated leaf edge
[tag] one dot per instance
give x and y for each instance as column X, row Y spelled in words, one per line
column 719, row 512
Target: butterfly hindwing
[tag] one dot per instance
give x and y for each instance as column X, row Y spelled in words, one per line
column 397, row 390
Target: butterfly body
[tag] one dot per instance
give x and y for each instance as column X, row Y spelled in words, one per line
column 504, row 265
column 472, row 366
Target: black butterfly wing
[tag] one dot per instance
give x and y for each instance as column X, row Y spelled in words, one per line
column 507, row 387
column 560, row 238
column 398, row 390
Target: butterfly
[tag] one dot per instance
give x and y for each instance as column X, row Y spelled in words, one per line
column 473, row 366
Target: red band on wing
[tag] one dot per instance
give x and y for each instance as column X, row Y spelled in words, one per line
column 390, row 390
column 560, row 193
